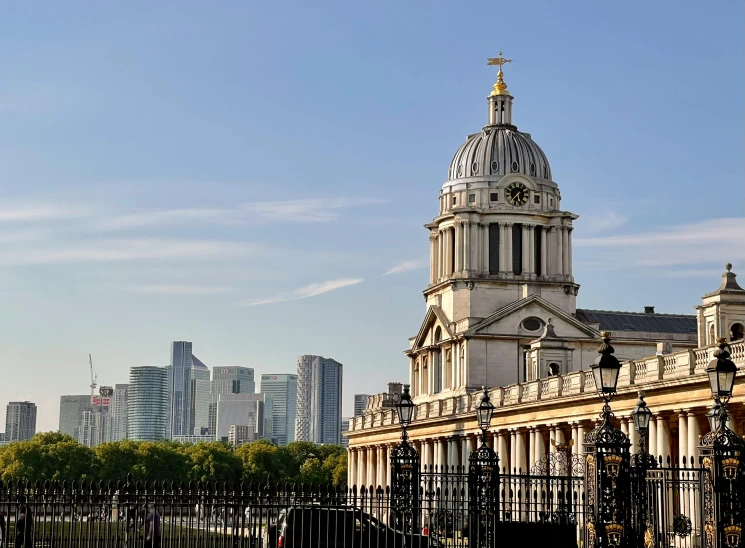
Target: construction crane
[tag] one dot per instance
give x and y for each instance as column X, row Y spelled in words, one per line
column 94, row 377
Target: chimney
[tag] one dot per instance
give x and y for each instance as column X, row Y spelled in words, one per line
column 649, row 309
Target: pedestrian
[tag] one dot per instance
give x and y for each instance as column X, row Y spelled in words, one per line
column 425, row 530
column 25, row 528
column 152, row 528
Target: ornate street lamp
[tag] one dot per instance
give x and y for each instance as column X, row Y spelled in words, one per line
column 723, row 453
column 405, row 471
column 640, row 463
column 607, row 463
column 483, row 481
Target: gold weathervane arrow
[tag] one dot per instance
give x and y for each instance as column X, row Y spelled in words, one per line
column 500, row 88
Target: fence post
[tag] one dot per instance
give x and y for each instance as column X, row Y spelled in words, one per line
column 405, row 473
column 722, row 452
column 608, row 484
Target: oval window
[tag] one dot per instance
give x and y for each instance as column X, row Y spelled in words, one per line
column 532, row 324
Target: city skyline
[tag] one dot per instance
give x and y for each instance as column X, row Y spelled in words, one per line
column 154, row 204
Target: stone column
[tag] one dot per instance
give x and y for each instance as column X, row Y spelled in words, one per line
column 565, row 255
column 442, row 453
column 352, row 472
column 531, row 251
column 625, row 425
column 453, row 453
column 540, row 447
column 508, row 248
column 531, row 445
column 520, row 453
column 458, row 247
column 503, row 450
column 433, row 258
column 580, row 437
column 693, row 435
column 633, row 436
column 467, row 247
column 370, row 467
column 361, row 464
column 652, row 441
column 464, row 453
column 683, row 438
column 526, row 250
column 663, row 438
column 569, row 250
column 544, row 252
column 484, row 230
column 559, row 270
column 502, row 249
column 513, row 451
column 430, row 449
column 440, row 255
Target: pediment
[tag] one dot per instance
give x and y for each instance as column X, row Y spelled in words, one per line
column 435, row 317
column 506, row 321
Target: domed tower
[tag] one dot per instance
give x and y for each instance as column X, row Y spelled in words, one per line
column 500, row 262
column 500, row 234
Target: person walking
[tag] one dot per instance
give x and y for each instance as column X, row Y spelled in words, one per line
column 152, row 528
column 25, row 528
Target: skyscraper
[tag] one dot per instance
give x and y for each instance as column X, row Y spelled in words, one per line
column 319, row 386
column 179, row 389
column 20, row 421
column 147, row 409
column 199, row 411
column 345, row 428
column 70, row 411
column 360, row 403
column 283, row 390
column 253, row 410
column 119, row 404
column 231, row 379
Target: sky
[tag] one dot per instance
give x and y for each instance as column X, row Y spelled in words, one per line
column 254, row 176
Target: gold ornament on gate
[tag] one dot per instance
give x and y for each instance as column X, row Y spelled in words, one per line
column 730, row 467
column 732, row 534
column 613, row 465
column 614, row 531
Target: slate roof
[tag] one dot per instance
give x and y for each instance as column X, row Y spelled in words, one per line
column 639, row 321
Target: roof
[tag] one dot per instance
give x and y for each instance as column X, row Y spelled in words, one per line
column 639, row 321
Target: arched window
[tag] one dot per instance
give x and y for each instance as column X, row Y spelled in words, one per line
column 712, row 338
column 736, row 332
column 425, row 377
column 438, row 335
column 554, row 369
column 415, row 380
column 448, row 371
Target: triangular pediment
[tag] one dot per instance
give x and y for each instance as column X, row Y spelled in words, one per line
column 435, row 317
column 505, row 321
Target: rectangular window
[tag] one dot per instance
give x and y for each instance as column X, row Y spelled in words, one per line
column 537, row 199
column 494, row 196
column 494, row 248
column 551, row 202
column 471, row 198
column 455, row 200
column 537, row 251
column 517, row 249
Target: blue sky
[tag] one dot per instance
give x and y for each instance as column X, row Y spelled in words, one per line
column 243, row 175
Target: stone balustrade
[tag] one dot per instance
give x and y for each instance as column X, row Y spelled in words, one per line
column 633, row 373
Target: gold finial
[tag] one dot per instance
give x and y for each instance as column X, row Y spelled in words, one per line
column 500, row 88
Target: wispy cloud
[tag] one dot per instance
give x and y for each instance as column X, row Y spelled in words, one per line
column 405, row 266
column 609, row 220
column 180, row 289
column 304, row 292
column 701, row 242
column 127, row 250
column 42, row 213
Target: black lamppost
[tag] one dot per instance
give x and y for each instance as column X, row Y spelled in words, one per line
column 722, row 455
column 607, row 464
column 483, row 481
column 640, row 463
column 405, row 473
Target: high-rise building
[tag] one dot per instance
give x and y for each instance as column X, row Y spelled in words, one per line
column 179, row 389
column 345, row 428
column 147, row 409
column 119, row 404
column 360, row 403
column 201, row 387
column 71, row 408
column 254, row 410
column 319, row 385
column 20, row 421
column 231, row 379
column 283, row 390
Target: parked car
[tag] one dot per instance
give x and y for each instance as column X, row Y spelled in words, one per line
column 345, row 527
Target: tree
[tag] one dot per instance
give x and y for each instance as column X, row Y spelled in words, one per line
column 116, row 460
column 262, row 460
column 160, row 461
column 212, row 462
column 314, row 473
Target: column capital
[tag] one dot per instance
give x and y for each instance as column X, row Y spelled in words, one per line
column 530, row 226
column 508, row 225
column 433, row 237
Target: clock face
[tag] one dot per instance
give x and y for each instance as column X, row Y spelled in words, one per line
column 517, row 194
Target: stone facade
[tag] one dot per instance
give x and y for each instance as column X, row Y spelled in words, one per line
column 501, row 312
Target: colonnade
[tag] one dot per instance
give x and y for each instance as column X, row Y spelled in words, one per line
column 462, row 249
column 672, row 434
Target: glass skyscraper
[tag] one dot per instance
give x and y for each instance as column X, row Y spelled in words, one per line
column 147, row 409
column 319, row 385
column 283, row 390
column 179, row 389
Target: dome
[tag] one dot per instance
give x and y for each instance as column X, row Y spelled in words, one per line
column 498, row 151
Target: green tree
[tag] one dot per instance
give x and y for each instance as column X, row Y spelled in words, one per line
column 160, row 461
column 115, row 460
column 314, row 473
column 212, row 462
column 261, row 460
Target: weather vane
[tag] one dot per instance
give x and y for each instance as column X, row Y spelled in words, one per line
column 500, row 88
